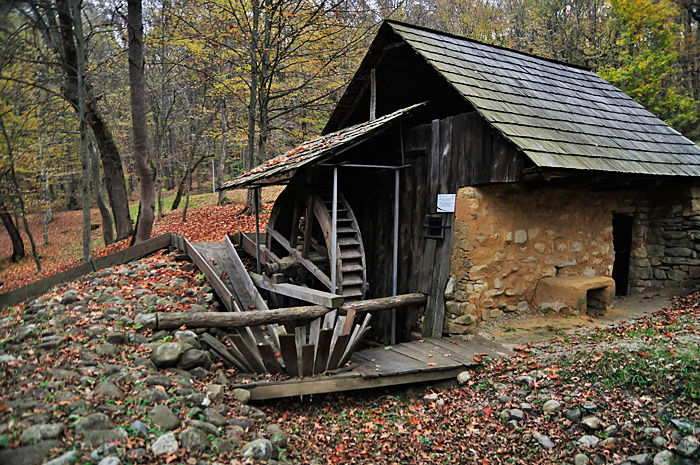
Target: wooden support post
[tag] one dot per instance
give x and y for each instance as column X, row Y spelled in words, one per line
column 373, row 95
column 257, row 229
column 334, row 234
column 395, row 264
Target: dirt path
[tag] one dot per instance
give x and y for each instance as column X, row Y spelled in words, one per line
column 533, row 326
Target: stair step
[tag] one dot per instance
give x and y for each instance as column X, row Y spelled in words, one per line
column 345, row 254
column 352, row 292
column 349, row 268
column 346, row 230
column 352, row 281
column 348, row 241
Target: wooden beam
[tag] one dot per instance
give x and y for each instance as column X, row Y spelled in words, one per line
column 313, row 269
column 242, row 272
column 274, row 390
column 298, row 292
column 225, row 320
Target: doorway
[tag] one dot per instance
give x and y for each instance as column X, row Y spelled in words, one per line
column 622, row 244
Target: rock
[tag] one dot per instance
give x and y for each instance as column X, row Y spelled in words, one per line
column 430, row 398
column 139, row 427
column 70, row 297
column 214, row 417
column 40, row 432
column 516, row 414
column 551, row 406
column 94, row 422
column 573, row 414
column 110, row 461
column 592, row 422
column 611, row 430
column 166, row 354
column 194, row 440
column 463, row 378
column 28, row 455
column 682, row 425
column 640, row 459
column 194, row 358
column 103, row 451
column 649, row 431
column 22, row 333
column 659, row 441
column 687, row 447
column 153, row 396
column 543, row 440
column 162, row 416
column 259, row 449
column 207, row 427
column 99, row 437
column 277, row 436
column 215, row 392
column 581, row 459
column 106, row 349
column 241, row 395
column 525, row 407
column 588, row 441
column 665, row 457
column 257, row 414
column 116, row 338
column 109, row 389
column 64, row 459
column 525, row 381
column 243, row 423
column 165, row 444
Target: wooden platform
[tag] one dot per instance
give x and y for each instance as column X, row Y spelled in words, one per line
column 429, row 359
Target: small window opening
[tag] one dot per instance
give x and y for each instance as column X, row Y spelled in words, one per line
column 435, row 226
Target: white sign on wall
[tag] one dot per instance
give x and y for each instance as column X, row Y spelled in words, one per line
column 446, row 203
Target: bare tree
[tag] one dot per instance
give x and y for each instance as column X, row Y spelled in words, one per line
column 137, row 86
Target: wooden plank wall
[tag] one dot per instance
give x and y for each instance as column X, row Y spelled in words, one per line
column 442, row 156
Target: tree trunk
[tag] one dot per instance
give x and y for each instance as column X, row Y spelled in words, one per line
column 109, row 153
column 82, row 111
column 222, row 154
column 18, row 252
column 187, row 198
column 137, row 87
column 230, row 320
column 107, row 229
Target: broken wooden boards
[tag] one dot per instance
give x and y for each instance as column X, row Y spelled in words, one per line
column 325, row 344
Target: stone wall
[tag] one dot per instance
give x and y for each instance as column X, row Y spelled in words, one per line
column 666, row 239
column 507, row 238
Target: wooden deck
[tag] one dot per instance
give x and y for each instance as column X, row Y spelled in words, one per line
column 424, row 360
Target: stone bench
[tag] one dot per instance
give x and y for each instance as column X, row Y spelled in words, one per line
column 575, row 295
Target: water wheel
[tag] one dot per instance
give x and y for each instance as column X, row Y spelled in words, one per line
column 299, row 236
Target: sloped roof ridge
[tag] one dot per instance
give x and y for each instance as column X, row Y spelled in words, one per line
column 531, row 56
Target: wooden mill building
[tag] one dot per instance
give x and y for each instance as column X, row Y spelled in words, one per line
column 491, row 180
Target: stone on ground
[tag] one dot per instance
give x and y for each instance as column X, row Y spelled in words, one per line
column 194, row 440
column 665, row 457
column 162, row 416
column 167, row 354
column 259, row 449
column 39, row 432
column 165, row 444
column 64, row 459
column 241, row 395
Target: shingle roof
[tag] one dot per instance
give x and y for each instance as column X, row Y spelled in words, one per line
column 315, row 151
column 558, row 115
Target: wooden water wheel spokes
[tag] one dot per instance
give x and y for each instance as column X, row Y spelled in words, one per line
column 300, row 232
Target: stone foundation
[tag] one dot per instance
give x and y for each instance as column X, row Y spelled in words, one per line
column 507, row 238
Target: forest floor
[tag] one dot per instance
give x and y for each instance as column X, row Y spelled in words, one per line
column 205, row 222
column 82, row 384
